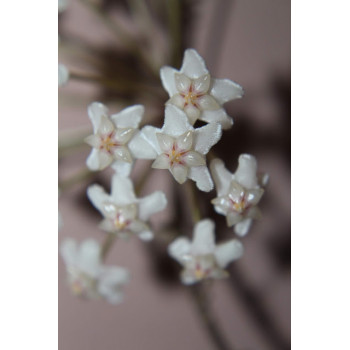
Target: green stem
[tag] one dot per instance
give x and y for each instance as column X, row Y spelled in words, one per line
column 107, row 245
column 193, row 201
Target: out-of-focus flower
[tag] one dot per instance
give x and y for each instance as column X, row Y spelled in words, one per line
column 238, row 194
column 201, row 258
column 124, row 214
column 87, row 276
column 197, row 93
column 62, row 5
column 63, row 74
column 182, row 149
column 113, row 138
column 60, row 220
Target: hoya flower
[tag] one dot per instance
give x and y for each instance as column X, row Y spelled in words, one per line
column 123, row 213
column 87, row 276
column 182, row 149
column 238, row 194
column 63, row 74
column 201, row 258
column 111, row 141
column 197, row 93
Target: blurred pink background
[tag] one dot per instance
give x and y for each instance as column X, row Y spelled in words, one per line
column 246, row 41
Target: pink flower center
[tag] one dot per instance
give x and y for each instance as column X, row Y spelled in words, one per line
column 108, row 142
column 191, row 97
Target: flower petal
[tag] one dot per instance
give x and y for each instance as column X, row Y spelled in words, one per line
column 242, row 228
column 246, row 171
column 184, row 141
column 151, row 204
column 193, row 64
column 69, row 251
column 177, row 100
column 219, row 116
column 179, row 172
column 165, row 142
column 89, row 257
column 203, row 238
column 161, row 162
column 96, row 110
column 63, row 74
column 167, row 76
column 129, row 117
column 179, row 249
column 182, row 82
column 124, row 135
column 192, row 113
column 98, row 196
column 233, row 218
column 193, row 158
column 93, row 141
column 106, row 126
column 122, row 168
column 208, row 103
column 202, row 84
column 202, row 178
column 122, row 153
column 206, row 137
column 140, row 148
column 146, row 235
column 228, row 252
column 222, row 177
column 149, row 134
column 98, row 160
column 225, row 90
column 175, row 122
column 253, row 196
column 122, row 190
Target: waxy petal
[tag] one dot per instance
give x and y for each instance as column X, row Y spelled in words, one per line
column 122, row 168
column 140, row 148
column 179, row 249
column 89, row 257
column 98, row 197
column 203, row 238
column 149, row 134
column 193, row 159
column 167, row 76
column 175, row 122
column 182, row 83
column 253, row 196
column 129, row 117
column 242, row 228
column 233, row 218
column 146, row 235
column 201, row 85
column 202, row 178
column 106, row 126
column 225, row 90
column 151, row 204
column 96, row 110
column 177, row 100
column 207, row 103
column 192, row 113
column 122, row 191
column 193, row 64
column 228, row 252
column 124, row 135
column 206, row 137
column 184, row 141
column 222, row 177
column 93, row 141
column 246, row 171
column 122, row 153
column 165, row 142
column 69, row 251
column 179, row 172
column 161, row 162
column 218, row 116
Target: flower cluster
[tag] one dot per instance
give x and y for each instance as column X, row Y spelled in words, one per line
column 180, row 147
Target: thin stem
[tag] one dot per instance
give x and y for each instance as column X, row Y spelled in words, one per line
column 107, row 245
column 201, row 301
column 193, row 201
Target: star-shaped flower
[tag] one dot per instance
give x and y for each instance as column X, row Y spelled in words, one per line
column 87, row 276
column 182, row 149
column 238, row 193
column 201, row 258
column 197, row 93
column 113, row 138
column 124, row 214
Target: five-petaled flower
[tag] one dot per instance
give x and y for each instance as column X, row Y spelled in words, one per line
column 113, row 138
column 181, row 148
column 124, row 214
column 201, row 258
column 197, row 93
column 87, row 276
column 238, row 193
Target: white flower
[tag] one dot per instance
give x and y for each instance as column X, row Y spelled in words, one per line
column 201, row 258
column 60, row 220
column 63, row 74
column 112, row 139
column 62, row 5
column 197, row 93
column 124, row 214
column 238, row 193
column 182, row 149
column 87, row 276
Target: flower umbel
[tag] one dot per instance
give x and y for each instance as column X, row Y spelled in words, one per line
column 239, row 193
column 87, row 276
column 124, row 214
column 197, row 93
column 201, row 258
